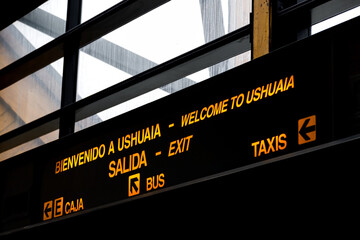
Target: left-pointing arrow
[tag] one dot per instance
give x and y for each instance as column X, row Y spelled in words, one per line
column 307, row 129
column 47, row 210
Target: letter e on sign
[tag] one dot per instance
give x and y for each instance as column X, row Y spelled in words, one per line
column 307, row 129
column 58, row 207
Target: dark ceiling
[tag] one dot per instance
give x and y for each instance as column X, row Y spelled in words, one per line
column 12, row 10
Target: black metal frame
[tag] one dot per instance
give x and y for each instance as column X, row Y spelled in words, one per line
column 207, row 55
column 79, row 35
column 84, row 34
column 71, row 59
column 293, row 22
column 71, row 110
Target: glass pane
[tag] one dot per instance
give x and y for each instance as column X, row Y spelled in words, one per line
column 91, row 8
column 31, row 98
column 32, row 31
column 160, row 35
column 159, row 93
column 164, row 91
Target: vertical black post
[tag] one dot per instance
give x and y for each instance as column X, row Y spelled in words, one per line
column 70, row 70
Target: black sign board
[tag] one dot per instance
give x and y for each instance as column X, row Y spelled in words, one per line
column 294, row 100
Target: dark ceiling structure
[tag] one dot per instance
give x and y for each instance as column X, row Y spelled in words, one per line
column 10, row 11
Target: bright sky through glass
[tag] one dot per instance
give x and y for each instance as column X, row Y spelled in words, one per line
column 335, row 20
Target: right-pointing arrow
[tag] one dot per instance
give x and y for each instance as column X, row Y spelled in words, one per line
column 307, row 129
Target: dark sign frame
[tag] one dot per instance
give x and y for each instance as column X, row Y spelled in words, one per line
column 301, row 98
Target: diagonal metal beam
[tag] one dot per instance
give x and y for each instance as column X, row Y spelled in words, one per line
column 45, row 22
